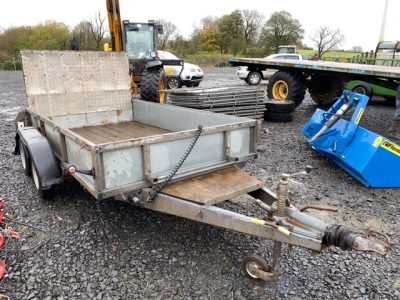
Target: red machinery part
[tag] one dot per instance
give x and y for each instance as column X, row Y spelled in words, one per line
column 1, row 240
column 1, row 203
column 2, row 268
column 1, row 218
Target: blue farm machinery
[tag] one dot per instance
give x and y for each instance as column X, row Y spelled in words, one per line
column 368, row 157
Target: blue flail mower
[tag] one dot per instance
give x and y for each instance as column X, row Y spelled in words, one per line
column 372, row 159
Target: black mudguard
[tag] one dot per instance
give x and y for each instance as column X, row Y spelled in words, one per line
column 154, row 64
column 40, row 153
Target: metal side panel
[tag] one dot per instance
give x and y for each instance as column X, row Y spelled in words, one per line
column 209, row 149
column 72, row 82
column 214, row 187
column 160, row 115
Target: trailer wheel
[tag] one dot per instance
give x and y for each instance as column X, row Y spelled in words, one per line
column 281, row 106
column 153, row 80
column 363, row 89
column 43, row 193
column 323, row 89
column 253, row 262
column 25, row 159
column 254, row 78
column 286, row 86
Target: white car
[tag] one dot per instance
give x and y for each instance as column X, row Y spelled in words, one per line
column 191, row 75
column 254, row 77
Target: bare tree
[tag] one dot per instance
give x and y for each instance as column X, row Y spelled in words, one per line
column 170, row 33
column 327, row 39
column 252, row 20
column 356, row 49
column 281, row 29
column 97, row 29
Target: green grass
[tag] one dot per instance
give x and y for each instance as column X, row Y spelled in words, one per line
column 340, row 54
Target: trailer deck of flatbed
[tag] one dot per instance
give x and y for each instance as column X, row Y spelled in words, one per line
column 325, row 81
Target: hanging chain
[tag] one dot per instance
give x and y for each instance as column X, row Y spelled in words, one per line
column 154, row 193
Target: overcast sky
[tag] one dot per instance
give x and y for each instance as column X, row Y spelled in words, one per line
column 359, row 20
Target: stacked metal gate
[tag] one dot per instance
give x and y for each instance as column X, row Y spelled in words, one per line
column 237, row 101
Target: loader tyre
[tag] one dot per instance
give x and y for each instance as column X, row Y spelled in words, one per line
column 281, row 106
column 363, row 89
column 153, row 80
column 323, row 89
column 286, row 86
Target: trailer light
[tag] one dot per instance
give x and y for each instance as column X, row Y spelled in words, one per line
column 71, row 169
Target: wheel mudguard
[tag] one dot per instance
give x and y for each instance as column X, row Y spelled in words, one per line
column 40, row 153
column 154, row 64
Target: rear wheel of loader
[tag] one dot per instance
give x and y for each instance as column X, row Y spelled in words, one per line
column 323, row 89
column 153, row 80
column 253, row 262
column 286, row 86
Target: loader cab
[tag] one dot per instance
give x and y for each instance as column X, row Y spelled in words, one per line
column 140, row 42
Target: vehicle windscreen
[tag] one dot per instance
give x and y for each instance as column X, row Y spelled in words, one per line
column 139, row 40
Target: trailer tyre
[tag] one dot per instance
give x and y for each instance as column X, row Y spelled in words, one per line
column 363, row 89
column 254, row 78
column 25, row 159
column 43, row 193
column 252, row 262
column 323, row 89
column 153, row 80
column 286, row 86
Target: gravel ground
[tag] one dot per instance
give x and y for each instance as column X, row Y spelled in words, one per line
column 111, row 250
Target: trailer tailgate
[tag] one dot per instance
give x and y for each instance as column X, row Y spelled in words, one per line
column 214, row 187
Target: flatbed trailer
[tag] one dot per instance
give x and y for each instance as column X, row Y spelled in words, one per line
column 81, row 123
column 324, row 80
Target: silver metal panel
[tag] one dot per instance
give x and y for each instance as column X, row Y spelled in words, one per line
column 80, row 157
column 93, row 118
column 71, row 82
column 166, row 155
column 240, row 142
column 123, row 167
column 53, row 137
column 162, row 115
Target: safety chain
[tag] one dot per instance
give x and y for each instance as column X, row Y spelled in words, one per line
column 154, row 193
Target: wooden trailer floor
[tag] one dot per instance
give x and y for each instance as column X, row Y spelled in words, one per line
column 115, row 132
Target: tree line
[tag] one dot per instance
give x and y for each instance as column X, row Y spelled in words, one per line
column 245, row 32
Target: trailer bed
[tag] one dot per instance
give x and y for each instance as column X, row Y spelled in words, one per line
column 108, row 133
column 353, row 71
column 119, row 145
